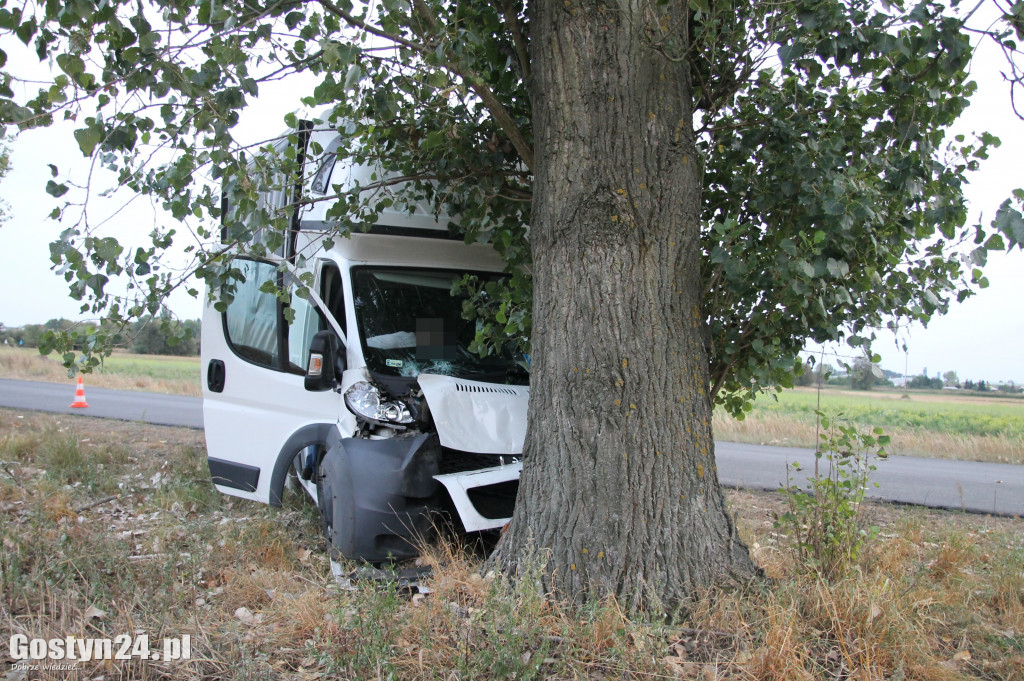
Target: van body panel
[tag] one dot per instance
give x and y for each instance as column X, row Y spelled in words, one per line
column 478, row 417
column 249, row 421
column 414, row 251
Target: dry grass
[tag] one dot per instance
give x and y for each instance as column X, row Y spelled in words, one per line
column 120, row 371
column 122, row 517
column 783, row 430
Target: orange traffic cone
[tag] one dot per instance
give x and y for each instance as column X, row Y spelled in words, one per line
column 80, row 395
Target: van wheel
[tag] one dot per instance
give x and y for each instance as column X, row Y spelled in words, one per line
column 337, row 506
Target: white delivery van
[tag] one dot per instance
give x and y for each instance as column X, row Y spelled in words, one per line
column 370, row 398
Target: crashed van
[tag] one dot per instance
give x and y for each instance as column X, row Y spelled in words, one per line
column 370, row 399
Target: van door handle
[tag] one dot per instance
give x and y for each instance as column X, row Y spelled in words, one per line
column 215, row 374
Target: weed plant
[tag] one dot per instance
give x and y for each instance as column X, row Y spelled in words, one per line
column 824, row 521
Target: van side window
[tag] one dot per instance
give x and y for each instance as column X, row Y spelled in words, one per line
column 255, row 325
column 322, row 179
column 251, row 320
column 332, row 292
column 308, row 321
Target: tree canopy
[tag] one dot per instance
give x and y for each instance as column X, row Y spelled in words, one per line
column 833, row 199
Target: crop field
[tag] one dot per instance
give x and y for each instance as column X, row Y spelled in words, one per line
column 943, row 425
column 110, row 528
column 121, row 371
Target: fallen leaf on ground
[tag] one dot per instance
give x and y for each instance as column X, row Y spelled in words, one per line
column 245, row 615
column 94, row 612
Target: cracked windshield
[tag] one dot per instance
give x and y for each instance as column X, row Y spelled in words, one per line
column 410, row 323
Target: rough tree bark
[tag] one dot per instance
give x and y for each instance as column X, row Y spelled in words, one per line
column 619, row 493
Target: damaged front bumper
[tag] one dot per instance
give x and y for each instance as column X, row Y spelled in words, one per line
column 393, row 486
column 484, row 498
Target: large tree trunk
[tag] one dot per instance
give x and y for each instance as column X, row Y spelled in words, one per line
column 619, row 493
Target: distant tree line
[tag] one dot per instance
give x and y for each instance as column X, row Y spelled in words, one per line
column 861, row 376
column 982, row 386
column 923, row 382
column 161, row 335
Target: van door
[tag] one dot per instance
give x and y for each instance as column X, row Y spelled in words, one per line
column 256, row 411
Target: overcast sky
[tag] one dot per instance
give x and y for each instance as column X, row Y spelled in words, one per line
column 982, row 338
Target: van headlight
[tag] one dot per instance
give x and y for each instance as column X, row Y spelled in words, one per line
column 365, row 400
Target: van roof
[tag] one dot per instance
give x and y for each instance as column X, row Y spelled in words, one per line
column 418, row 251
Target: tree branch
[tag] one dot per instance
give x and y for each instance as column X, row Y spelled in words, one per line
column 476, row 83
column 502, row 118
column 494, row 106
column 352, row 20
column 512, row 20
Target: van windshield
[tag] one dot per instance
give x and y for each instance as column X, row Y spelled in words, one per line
column 410, row 323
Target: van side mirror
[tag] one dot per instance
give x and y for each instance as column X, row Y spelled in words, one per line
column 323, row 355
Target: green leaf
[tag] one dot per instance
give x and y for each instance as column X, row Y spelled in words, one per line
column 1010, row 222
column 804, row 267
column 71, row 64
column 88, row 138
column 837, row 268
column 789, row 53
column 56, row 190
column 353, row 76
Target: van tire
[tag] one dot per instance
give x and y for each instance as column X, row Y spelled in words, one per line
column 337, row 506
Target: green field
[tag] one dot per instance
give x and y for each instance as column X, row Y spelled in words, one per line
column 154, row 366
column 926, row 411
column 122, row 371
column 936, row 424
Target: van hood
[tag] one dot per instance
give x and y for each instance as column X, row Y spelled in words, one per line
column 471, row 416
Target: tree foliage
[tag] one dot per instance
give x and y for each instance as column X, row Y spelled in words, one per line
column 923, row 382
column 833, row 197
column 5, row 167
column 164, row 335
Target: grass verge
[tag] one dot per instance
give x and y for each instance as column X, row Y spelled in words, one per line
column 111, row 528
column 120, row 371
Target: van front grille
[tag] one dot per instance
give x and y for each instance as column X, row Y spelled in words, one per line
column 456, row 461
column 494, row 501
column 471, row 388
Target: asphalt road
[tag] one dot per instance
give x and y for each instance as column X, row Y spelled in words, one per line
column 959, row 485
column 125, row 405
column 996, row 488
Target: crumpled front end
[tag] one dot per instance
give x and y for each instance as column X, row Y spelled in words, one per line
column 481, row 428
